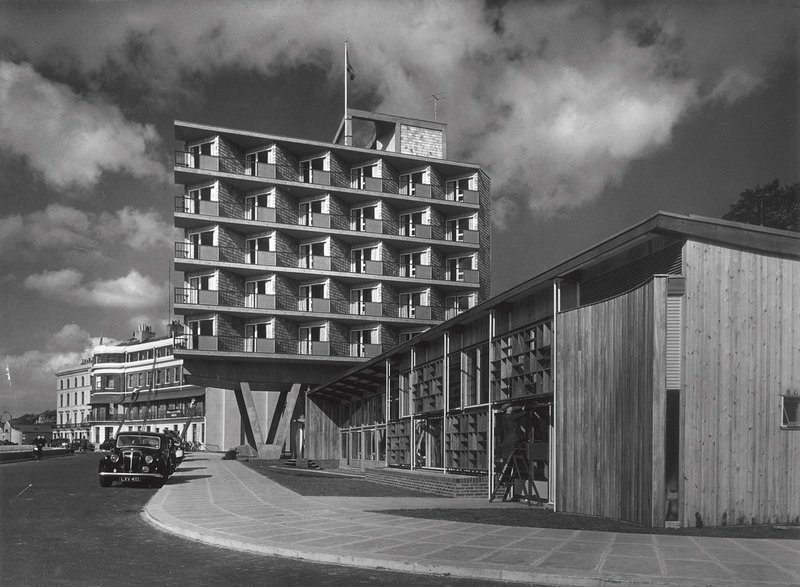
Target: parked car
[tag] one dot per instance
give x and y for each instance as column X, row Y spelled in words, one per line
column 108, row 444
column 137, row 457
column 62, row 443
column 76, row 445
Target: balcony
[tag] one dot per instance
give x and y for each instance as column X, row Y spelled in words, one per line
column 259, row 345
column 318, row 262
column 319, row 177
column 463, row 275
column 463, row 235
column 416, row 271
column 317, row 219
column 415, row 312
column 365, row 350
column 195, row 251
column 261, row 258
column 191, row 206
column 367, row 266
column 366, row 308
column 261, row 213
column 201, row 297
column 468, row 196
column 321, row 305
column 258, row 169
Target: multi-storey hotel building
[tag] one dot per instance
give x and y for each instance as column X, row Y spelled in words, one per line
column 302, row 258
column 72, row 397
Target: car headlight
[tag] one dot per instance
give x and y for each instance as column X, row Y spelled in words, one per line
column 148, row 459
column 114, row 458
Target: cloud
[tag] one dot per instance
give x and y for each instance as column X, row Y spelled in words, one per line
column 139, row 229
column 70, row 141
column 60, row 227
column 555, row 100
column 70, row 337
column 131, row 292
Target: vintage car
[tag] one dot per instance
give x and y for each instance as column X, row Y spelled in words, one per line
column 137, row 457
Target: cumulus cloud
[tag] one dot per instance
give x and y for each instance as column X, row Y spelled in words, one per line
column 69, row 140
column 555, row 100
column 133, row 291
column 59, row 227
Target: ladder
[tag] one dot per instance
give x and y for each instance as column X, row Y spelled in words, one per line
column 516, row 467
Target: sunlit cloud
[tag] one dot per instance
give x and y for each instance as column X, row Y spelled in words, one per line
column 67, row 139
column 131, row 292
column 59, row 227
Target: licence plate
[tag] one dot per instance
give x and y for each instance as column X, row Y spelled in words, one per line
column 130, row 479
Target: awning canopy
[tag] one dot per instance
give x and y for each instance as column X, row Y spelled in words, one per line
column 142, row 396
column 366, row 380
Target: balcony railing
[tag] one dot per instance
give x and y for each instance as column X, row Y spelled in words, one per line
column 317, row 177
column 289, row 217
column 237, row 299
column 283, row 346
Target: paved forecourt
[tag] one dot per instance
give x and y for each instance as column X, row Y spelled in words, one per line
column 225, row 503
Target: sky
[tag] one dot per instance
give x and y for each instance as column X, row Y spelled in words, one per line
column 588, row 116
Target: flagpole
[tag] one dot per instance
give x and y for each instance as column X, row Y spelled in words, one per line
column 348, row 131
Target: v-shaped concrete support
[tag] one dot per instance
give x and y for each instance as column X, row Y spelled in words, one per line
column 253, row 431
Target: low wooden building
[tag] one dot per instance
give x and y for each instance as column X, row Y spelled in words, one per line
column 651, row 378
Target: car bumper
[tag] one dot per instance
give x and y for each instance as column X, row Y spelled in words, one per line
column 117, row 475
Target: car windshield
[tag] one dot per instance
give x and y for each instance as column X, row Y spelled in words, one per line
column 124, row 440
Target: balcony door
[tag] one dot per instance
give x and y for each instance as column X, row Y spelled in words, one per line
column 196, row 197
column 309, row 294
column 313, row 340
column 362, row 299
column 409, row 182
column 410, row 301
column 252, row 204
column 309, row 251
column 409, row 223
column 198, row 241
column 360, row 339
column 409, row 263
column 198, row 151
column 308, row 167
column 202, row 335
column 309, row 209
column 258, row 292
column 257, row 337
column 456, row 268
column 256, row 245
column 252, row 161
column 359, row 218
column 360, row 258
column 198, row 285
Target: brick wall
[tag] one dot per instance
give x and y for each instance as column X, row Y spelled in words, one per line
column 286, row 207
column 340, row 213
column 430, row 482
column 424, row 142
column 340, row 172
column 228, row 281
column 338, row 332
column 285, row 290
column 390, row 177
column 228, row 238
column 288, row 167
column 231, row 157
column 485, row 236
column 340, row 255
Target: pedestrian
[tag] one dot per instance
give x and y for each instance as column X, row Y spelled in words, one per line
column 84, row 444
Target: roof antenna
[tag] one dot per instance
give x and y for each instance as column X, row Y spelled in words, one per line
column 436, row 105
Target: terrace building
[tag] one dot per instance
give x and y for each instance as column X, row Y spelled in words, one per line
column 72, row 396
column 301, row 258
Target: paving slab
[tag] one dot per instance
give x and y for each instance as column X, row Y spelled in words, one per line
column 226, row 504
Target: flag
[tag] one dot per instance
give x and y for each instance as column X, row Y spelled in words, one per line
column 350, row 72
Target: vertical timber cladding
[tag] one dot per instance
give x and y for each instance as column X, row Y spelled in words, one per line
column 741, row 345
column 322, row 438
column 605, row 408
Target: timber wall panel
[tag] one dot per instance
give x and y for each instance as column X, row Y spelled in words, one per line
column 322, row 432
column 742, row 352
column 604, row 409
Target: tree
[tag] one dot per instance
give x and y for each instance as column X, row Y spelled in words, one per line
column 771, row 205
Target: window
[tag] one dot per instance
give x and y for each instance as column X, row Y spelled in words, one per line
column 167, row 376
column 359, row 339
column 253, row 203
column 409, row 222
column 362, row 300
column 456, row 188
column 457, row 227
column 199, row 240
column 410, row 263
column 456, row 304
column 310, row 337
column 360, row 258
column 257, row 246
column 407, row 335
column 309, row 293
column 141, row 378
column 457, row 268
column 258, row 162
column 411, row 301
column 359, row 175
column 312, row 255
column 256, row 292
column 200, row 153
column 362, row 219
column 790, row 410
column 309, row 209
column 315, row 170
column 82, row 398
column 196, row 196
column 411, row 182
